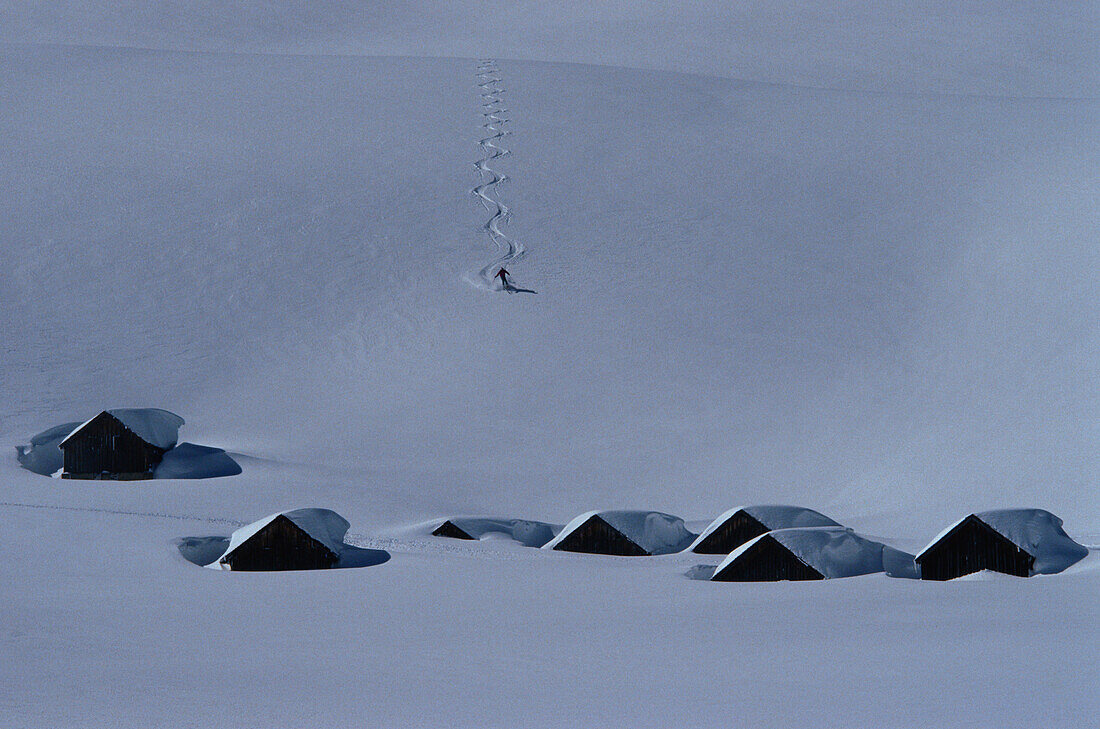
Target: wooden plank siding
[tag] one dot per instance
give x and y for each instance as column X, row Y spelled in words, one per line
column 106, row 449
column 767, row 561
column 596, row 536
column 973, row 546
column 735, row 531
column 280, row 545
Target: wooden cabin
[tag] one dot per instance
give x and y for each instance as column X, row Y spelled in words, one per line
column 304, row 539
column 738, row 526
column 119, row 444
column 596, row 536
column 766, row 560
column 623, row 534
column 970, row 546
column 802, row 553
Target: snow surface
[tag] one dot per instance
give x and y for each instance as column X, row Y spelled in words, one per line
column 771, row 516
column 1037, row 532
column 653, row 531
column 832, row 551
column 153, row 425
column 829, row 253
column 324, row 525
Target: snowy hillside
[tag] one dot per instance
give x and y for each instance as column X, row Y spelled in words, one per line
column 816, row 254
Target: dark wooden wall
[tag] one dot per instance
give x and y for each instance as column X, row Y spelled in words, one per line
column 281, row 545
column 973, row 546
column 596, row 536
column 105, row 448
column 767, row 561
column 736, row 530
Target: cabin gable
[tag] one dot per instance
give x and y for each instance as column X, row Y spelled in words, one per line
column 973, row 546
column 596, row 536
column 767, row 561
column 741, row 527
column 448, row 529
column 104, row 448
column 280, row 545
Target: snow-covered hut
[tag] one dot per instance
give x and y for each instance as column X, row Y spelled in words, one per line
column 302, row 539
column 123, row 444
column 451, row 530
column 1021, row 542
column 527, row 533
column 814, row 553
column 740, row 524
column 623, row 533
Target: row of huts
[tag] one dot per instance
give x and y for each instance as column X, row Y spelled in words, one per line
column 774, row 543
column 761, row 543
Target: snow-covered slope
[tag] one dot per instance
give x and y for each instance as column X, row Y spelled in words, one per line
column 806, row 253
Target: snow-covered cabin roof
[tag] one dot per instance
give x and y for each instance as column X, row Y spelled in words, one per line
column 772, row 516
column 832, row 551
column 153, row 425
column 653, row 531
column 324, row 525
column 1036, row 531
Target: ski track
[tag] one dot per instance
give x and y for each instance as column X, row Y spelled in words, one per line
column 492, row 109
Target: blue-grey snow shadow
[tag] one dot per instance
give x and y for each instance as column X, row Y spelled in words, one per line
column 203, row 551
column 517, row 290
column 43, row 456
column 701, row 571
column 361, row 557
column 186, row 460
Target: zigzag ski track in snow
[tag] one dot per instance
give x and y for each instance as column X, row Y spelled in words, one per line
column 494, row 113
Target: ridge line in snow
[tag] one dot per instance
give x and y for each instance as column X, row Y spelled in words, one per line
column 915, row 94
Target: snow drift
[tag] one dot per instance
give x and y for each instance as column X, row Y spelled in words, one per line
column 43, row 456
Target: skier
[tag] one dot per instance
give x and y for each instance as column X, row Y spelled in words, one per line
column 502, row 274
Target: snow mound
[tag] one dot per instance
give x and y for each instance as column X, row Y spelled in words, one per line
column 189, row 460
column 527, row 533
column 653, row 531
column 772, row 516
column 153, row 425
column 1036, row 531
column 832, row 551
column 324, row 525
column 43, row 456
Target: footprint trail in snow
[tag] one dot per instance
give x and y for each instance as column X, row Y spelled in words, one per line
column 507, row 248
